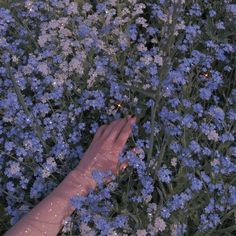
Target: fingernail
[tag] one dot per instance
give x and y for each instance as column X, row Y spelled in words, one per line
column 133, row 120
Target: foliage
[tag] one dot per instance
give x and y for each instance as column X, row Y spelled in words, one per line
column 68, row 67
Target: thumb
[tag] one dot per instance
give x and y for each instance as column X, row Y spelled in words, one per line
column 123, row 166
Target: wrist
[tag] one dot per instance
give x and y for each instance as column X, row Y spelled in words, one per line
column 77, row 182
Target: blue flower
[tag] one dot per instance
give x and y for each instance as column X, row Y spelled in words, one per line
column 217, row 113
column 195, row 147
column 83, row 30
column 174, row 102
column 232, row 8
column 148, row 187
column 178, row 201
column 195, row 10
column 165, row 213
column 38, row 188
column 226, row 137
column 132, row 30
column 231, row 114
column 206, row 151
column 232, row 191
column 196, row 184
column 175, row 147
column 205, row 93
column 187, row 119
column 164, row 174
column 9, row 146
column 101, row 7
column 198, row 109
column 153, row 71
column 77, row 201
column 232, row 151
column 151, row 30
column 119, row 221
column 212, row 13
column 186, row 103
column 103, row 225
column 205, row 177
column 94, row 127
column 209, row 221
column 10, row 186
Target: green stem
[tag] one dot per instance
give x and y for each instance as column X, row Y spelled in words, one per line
column 19, row 161
column 13, row 196
column 151, row 140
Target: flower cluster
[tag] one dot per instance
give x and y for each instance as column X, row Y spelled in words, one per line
column 67, row 67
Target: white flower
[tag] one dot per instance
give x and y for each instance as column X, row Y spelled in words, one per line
column 64, row 32
column 67, row 224
column 123, row 40
column 174, row 162
column 51, row 161
column 66, row 47
column 53, row 24
column 112, row 186
column 160, row 224
column 174, row 230
column 43, row 68
column 180, row 26
column 177, row 1
column 141, row 21
column 45, row 173
column 138, row 9
column 27, row 144
column 220, row 25
column 125, row 11
column 43, row 39
column 91, row 80
column 112, row 2
column 147, row 59
column 87, row 7
column 146, row 86
column 132, row 1
column 112, row 232
column 86, row 230
column 15, row 59
column 14, row 168
column 158, row 60
column 215, row 162
column 152, row 207
column 72, row 8
column 212, row 135
column 163, row 17
column 141, row 232
column 135, row 100
column 28, row 69
column 141, row 47
column 28, row 4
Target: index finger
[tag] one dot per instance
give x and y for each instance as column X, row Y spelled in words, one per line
column 124, row 133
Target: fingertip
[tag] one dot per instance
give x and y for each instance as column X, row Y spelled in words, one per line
column 133, row 120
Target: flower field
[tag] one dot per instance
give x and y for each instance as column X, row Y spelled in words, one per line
column 68, row 67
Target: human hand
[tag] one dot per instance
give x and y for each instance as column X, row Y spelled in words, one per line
column 107, row 144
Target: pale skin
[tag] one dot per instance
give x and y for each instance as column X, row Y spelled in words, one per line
column 103, row 154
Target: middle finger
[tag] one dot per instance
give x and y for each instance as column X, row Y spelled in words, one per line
column 114, row 128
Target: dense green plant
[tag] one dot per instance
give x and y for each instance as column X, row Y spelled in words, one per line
column 68, row 67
